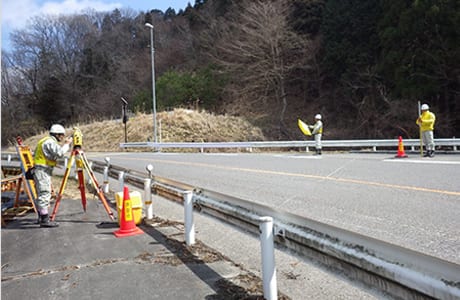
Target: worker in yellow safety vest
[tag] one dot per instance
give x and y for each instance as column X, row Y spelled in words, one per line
column 426, row 122
column 46, row 153
column 317, row 132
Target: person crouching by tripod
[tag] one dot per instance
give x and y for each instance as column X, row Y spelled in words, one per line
column 317, row 132
column 46, row 154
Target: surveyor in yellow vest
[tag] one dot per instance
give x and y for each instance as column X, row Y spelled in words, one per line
column 46, row 154
column 426, row 122
column 317, row 132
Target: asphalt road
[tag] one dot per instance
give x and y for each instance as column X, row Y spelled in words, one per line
column 412, row 202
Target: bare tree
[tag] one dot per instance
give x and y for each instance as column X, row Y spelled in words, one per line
column 76, row 64
column 258, row 47
column 48, row 53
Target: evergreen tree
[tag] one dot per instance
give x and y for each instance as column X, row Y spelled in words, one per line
column 421, row 56
column 350, row 36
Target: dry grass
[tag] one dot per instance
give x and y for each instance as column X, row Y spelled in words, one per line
column 180, row 125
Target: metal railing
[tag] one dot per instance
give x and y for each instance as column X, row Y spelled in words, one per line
column 400, row 272
column 452, row 143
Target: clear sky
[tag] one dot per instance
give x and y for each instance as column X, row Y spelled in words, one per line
column 16, row 13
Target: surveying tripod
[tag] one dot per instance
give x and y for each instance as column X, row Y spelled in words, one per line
column 81, row 163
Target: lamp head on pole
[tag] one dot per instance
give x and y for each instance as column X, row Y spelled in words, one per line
column 149, row 25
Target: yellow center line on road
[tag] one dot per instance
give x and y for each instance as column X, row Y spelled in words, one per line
column 287, row 174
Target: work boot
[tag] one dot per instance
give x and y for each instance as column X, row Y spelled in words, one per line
column 427, row 153
column 431, row 153
column 318, row 152
column 46, row 222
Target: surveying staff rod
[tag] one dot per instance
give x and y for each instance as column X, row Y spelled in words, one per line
column 420, row 129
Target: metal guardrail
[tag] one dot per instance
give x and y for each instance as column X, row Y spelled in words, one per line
column 453, row 143
column 400, row 272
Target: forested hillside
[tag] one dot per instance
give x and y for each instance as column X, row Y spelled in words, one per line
column 362, row 64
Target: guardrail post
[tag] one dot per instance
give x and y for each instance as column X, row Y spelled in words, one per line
column 75, row 171
column 268, row 258
column 9, row 158
column 106, row 179
column 121, row 180
column 148, row 204
column 106, row 175
column 90, row 165
column 188, row 215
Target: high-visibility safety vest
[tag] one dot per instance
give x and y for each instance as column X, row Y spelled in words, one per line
column 317, row 128
column 428, row 119
column 321, row 129
column 39, row 156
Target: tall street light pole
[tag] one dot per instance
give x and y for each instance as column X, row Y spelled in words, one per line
column 152, row 47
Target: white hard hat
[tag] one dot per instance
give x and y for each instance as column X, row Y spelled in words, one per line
column 425, row 107
column 57, row 129
column 318, row 117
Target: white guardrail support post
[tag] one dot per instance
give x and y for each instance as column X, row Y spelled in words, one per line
column 89, row 181
column 121, row 180
column 106, row 175
column 268, row 258
column 75, row 169
column 148, row 204
column 106, row 179
column 188, row 215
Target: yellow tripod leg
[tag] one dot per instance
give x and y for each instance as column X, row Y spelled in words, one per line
column 63, row 184
column 99, row 190
column 81, row 179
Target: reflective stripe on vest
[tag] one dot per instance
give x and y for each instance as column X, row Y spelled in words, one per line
column 39, row 156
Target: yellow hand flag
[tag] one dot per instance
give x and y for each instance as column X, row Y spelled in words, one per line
column 303, row 127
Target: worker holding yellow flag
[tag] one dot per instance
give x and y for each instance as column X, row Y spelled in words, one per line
column 317, row 132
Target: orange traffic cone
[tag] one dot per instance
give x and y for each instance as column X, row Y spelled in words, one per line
column 127, row 224
column 401, row 152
